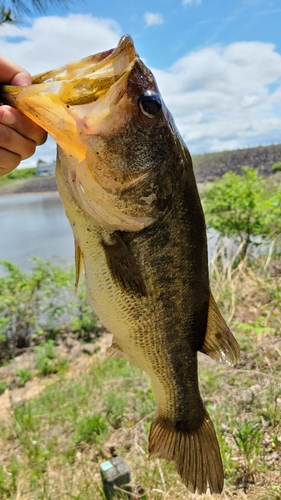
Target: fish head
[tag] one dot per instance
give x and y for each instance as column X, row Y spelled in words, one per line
column 114, row 133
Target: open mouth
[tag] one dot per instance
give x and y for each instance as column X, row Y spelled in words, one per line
column 74, row 98
column 81, row 105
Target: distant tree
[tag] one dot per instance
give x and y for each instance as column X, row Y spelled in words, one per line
column 272, row 215
column 238, row 205
column 12, row 10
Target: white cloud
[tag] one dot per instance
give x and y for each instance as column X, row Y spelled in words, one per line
column 52, row 41
column 153, row 18
column 187, row 2
column 221, row 97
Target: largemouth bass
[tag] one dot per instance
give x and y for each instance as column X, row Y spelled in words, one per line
column 126, row 180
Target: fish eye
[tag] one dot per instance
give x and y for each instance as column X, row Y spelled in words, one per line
column 150, row 104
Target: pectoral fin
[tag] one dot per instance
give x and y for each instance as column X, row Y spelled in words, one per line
column 123, row 266
column 79, row 264
column 219, row 342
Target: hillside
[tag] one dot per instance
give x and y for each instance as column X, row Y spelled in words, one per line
column 207, row 167
column 212, row 165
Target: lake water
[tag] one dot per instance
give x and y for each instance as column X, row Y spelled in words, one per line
column 36, row 226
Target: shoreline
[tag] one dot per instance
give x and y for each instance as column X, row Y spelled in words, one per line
column 32, row 185
column 207, row 168
column 27, row 193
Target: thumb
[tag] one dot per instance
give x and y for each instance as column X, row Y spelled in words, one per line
column 12, row 73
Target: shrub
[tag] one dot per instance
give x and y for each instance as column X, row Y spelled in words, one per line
column 240, row 207
column 276, row 167
column 47, row 359
column 41, row 301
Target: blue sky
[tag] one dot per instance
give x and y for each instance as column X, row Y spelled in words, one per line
column 217, row 62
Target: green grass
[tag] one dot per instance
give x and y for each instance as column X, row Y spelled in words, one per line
column 24, row 173
column 3, row 386
column 63, row 435
column 47, row 359
column 84, row 412
column 24, row 375
column 54, row 444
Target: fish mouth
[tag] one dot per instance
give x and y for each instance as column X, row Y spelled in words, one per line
column 72, row 100
column 82, row 105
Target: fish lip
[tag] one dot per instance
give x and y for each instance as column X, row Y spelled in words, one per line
column 125, row 46
column 123, row 43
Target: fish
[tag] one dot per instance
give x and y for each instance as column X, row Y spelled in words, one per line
column 126, row 180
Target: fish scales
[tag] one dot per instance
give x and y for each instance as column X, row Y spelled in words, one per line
column 130, row 319
column 126, row 180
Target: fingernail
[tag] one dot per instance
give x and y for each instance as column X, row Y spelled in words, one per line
column 8, row 118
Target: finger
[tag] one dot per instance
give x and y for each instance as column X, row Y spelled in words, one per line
column 15, row 143
column 12, row 73
column 22, row 124
column 8, row 161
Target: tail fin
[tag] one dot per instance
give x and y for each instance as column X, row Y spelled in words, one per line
column 196, row 453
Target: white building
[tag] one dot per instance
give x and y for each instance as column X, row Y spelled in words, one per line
column 45, row 168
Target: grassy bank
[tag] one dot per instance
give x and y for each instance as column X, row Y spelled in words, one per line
column 91, row 409
column 17, row 175
column 52, row 446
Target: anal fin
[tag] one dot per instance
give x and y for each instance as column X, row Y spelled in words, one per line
column 115, row 351
column 219, row 342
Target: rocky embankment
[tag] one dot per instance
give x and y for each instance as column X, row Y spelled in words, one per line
column 207, row 167
column 38, row 185
column 33, row 185
column 210, row 166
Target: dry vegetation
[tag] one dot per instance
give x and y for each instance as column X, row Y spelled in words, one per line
column 52, row 446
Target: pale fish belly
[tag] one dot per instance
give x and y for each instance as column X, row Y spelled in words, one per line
column 134, row 322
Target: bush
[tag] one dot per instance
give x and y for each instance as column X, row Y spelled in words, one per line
column 47, row 359
column 276, row 167
column 41, row 301
column 240, row 207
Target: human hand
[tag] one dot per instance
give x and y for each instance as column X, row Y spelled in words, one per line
column 19, row 135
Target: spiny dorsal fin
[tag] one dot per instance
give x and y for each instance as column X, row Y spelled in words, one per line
column 219, row 342
column 79, row 264
column 196, row 453
column 115, row 351
column 123, row 266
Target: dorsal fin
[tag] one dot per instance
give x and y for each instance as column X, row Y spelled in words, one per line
column 79, row 263
column 219, row 343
